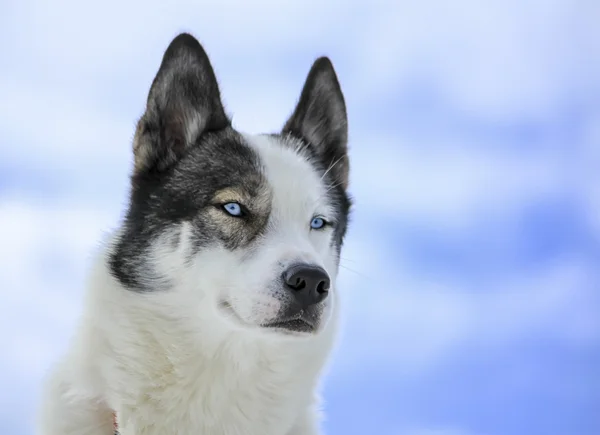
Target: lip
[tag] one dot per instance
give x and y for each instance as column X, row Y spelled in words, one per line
column 295, row 324
column 292, row 325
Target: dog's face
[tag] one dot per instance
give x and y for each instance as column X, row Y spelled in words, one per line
column 249, row 227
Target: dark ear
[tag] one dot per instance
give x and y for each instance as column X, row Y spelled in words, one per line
column 184, row 102
column 320, row 119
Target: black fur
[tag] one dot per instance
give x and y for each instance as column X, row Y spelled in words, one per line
column 320, row 120
column 184, row 95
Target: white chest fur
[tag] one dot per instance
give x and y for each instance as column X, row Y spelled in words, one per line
column 164, row 373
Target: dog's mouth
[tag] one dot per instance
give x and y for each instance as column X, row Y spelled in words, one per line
column 293, row 325
column 299, row 323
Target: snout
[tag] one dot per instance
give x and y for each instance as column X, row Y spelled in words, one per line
column 308, row 284
column 295, row 302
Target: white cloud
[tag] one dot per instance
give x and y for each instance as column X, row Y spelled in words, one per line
column 98, row 41
column 493, row 59
column 410, row 323
column 60, row 126
column 40, row 307
column 447, row 184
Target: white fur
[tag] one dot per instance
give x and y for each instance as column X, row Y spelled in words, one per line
column 173, row 362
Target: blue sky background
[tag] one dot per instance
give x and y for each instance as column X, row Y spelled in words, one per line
column 471, row 276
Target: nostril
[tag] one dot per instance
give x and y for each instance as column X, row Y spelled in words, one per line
column 299, row 284
column 323, row 287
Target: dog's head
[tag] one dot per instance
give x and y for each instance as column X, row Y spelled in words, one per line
column 248, row 228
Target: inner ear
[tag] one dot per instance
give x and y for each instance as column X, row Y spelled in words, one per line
column 320, row 119
column 184, row 102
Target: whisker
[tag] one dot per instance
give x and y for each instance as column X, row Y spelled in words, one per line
column 354, row 271
column 333, row 186
column 331, row 167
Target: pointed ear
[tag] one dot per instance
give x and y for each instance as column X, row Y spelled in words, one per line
column 320, row 119
column 184, row 102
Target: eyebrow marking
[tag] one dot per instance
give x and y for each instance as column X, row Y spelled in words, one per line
column 229, row 195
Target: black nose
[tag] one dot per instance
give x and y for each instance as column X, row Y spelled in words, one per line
column 309, row 284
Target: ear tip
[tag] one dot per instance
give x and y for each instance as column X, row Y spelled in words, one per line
column 323, row 63
column 185, row 39
column 322, row 69
column 184, row 42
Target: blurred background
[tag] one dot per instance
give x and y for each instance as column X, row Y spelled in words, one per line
column 471, row 278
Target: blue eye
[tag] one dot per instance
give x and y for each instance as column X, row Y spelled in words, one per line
column 233, row 208
column 317, row 223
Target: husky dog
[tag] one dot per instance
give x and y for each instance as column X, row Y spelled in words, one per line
column 212, row 309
